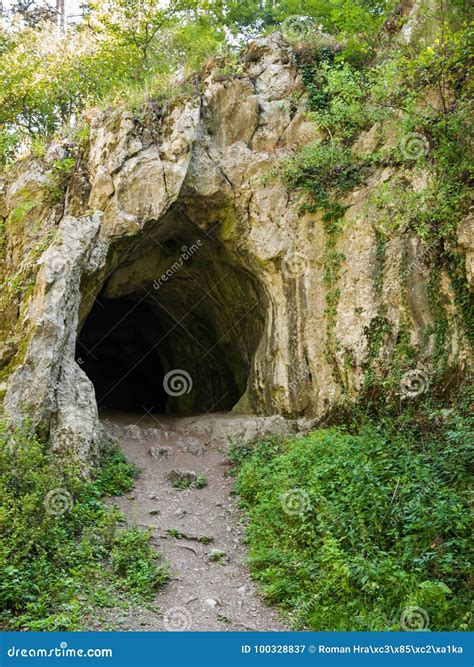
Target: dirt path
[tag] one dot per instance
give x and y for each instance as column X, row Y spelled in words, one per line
column 203, row 594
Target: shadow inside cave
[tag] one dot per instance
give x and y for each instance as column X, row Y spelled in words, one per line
column 178, row 346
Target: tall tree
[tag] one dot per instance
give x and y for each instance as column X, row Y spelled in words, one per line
column 33, row 12
column 61, row 16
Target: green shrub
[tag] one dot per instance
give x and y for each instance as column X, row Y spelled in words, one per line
column 135, row 560
column 115, row 475
column 323, row 171
column 347, row 528
column 17, row 214
column 58, row 179
column 59, row 543
column 338, row 96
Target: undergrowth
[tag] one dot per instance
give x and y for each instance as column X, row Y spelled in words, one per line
column 351, row 526
column 62, row 551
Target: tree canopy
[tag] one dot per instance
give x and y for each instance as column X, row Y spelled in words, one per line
column 121, row 48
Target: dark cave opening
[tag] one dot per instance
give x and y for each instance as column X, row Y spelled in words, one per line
column 117, row 352
column 180, row 345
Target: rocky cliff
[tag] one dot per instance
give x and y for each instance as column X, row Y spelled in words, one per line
column 175, row 217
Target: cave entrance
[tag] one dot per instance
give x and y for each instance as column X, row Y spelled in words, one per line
column 173, row 335
column 116, row 350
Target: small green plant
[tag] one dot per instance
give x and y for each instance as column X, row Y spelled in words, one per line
column 218, row 556
column 137, row 563
column 58, row 179
column 18, row 214
column 174, row 532
column 82, row 136
column 177, row 534
column 38, row 146
column 115, row 475
column 198, row 483
column 9, row 142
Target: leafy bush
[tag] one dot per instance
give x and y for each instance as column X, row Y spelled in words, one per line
column 338, row 96
column 323, row 171
column 347, row 528
column 59, row 543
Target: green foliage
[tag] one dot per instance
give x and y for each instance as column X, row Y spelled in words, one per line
column 178, row 535
column 174, row 532
column 356, row 21
column 138, row 46
column 323, row 171
column 384, row 522
column 421, row 90
column 314, row 70
column 136, row 562
column 8, row 144
column 115, row 475
column 58, row 179
column 82, row 136
column 346, row 111
column 463, row 293
column 46, row 79
column 18, row 213
column 199, row 483
column 338, row 96
column 218, row 556
column 59, row 541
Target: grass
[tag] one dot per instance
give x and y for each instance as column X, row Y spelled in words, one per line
column 62, row 549
column 351, row 526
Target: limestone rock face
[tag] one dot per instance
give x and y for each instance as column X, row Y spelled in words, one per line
column 48, row 382
column 466, row 239
column 224, row 276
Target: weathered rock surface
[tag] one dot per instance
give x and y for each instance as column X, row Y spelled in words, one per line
column 177, row 212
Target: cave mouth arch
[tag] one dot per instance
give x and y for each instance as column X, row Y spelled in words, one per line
column 173, row 331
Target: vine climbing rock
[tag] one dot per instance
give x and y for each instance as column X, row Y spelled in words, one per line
column 174, row 214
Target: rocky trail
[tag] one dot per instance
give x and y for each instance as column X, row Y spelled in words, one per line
column 198, row 530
